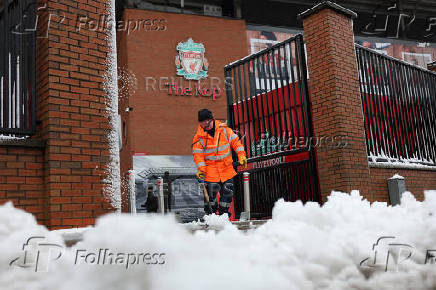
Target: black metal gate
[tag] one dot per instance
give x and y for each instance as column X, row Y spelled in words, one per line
column 268, row 106
column 17, row 67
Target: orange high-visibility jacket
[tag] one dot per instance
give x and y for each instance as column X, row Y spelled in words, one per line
column 213, row 156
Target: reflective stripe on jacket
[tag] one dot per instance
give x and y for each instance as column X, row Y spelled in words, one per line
column 213, row 155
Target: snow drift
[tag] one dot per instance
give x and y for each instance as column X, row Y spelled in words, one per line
column 302, row 247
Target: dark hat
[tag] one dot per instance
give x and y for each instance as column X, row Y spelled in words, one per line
column 204, row 114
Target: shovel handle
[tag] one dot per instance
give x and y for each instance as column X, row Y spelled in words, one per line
column 206, row 197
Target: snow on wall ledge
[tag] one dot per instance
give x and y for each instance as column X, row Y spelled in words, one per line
column 384, row 161
column 302, row 247
column 112, row 190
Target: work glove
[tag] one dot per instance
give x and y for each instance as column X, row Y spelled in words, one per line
column 243, row 161
column 200, row 175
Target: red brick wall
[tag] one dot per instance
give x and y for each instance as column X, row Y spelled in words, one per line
column 337, row 110
column 63, row 183
column 416, row 182
column 72, row 121
column 72, row 111
column 335, row 97
column 22, row 177
column 162, row 123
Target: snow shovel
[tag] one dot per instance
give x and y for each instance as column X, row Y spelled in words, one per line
column 206, row 196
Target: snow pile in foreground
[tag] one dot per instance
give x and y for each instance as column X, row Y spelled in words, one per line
column 302, row 247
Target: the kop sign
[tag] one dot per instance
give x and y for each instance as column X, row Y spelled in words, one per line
column 192, row 65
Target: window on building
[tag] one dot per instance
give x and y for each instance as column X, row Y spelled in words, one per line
column 219, row 8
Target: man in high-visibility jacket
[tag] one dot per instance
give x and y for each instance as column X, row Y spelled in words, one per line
column 212, row 149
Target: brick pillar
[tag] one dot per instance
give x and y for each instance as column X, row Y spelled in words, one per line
column 72, row 109
column 335, row 97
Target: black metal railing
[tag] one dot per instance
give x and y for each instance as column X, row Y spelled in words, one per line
column 399, row 106
column 267, row 102
column 268, row 106
column 17, row 67
column 290, row 181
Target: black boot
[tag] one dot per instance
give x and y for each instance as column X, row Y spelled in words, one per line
column 207, row 210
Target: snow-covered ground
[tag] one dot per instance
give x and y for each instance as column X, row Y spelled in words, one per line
column 302, row 247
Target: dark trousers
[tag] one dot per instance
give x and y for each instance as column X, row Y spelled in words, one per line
column 226, row 194
column 167, row 201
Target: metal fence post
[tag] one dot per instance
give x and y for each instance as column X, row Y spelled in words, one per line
column 246, row 180
column 131, row 190
column 396, row 188
column 160, row 196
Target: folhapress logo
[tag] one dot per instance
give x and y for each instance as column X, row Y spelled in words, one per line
column 388, row 255
column 37, row 254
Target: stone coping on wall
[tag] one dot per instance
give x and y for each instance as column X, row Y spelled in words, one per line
column 389, row 165
column 34, row 143
column 330, row 5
